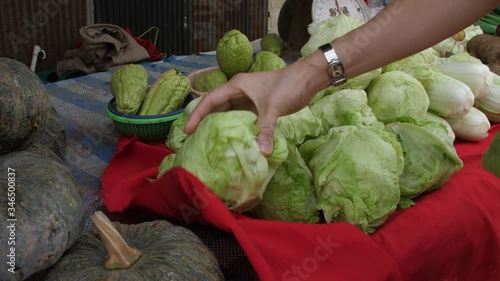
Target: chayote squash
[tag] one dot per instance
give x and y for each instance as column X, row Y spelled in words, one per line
column 167, row 93
column 129, row 85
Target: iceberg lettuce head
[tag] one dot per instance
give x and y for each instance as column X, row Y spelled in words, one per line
column 429, row 154
column 290, row 195
column 223, row 154
column 356, row 173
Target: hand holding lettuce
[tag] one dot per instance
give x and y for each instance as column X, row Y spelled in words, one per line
column 223, row 154
column 355, row 154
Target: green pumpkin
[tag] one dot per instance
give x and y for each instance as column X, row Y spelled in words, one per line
column 48, row 207
column 23, row 106
column 54, row 133
column 149, row 251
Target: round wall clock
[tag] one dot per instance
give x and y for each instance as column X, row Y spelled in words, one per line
column 322, row 9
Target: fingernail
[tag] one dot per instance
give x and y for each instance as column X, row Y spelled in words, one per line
column 265, row 147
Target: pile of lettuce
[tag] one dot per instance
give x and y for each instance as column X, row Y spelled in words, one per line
column 356, row 154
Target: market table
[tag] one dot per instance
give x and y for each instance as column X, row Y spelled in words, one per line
column 451, row 234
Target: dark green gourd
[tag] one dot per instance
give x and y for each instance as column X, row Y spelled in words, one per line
column 150, row 251
column 23, row 106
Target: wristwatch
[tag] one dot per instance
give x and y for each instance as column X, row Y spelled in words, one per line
column 335, row 66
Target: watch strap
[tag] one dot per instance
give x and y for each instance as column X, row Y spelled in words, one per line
column 335, row 66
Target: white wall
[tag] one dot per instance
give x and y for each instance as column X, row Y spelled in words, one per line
column 274, row 11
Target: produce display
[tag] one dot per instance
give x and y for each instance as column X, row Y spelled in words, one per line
column 155, row 250
column 39, row 187
column 359, row 151
column 356, row 154
column 129, row 86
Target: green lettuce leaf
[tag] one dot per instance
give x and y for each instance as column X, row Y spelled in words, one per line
column 356, row 174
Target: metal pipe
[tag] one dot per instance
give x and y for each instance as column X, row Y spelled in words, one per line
column 36, row 51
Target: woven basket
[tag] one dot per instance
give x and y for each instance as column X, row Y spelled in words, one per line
column 151, row 128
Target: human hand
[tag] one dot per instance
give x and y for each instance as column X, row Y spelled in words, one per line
column 269, row 94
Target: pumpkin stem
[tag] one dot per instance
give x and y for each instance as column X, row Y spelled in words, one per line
column 120, row 255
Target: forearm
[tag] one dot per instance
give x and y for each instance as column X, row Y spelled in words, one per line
column 402, row 28
column 405, row 27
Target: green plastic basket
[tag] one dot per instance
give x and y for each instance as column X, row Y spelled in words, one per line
column 150, row 129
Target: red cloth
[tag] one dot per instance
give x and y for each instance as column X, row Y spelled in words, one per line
column 154, row 54
column 451, row 234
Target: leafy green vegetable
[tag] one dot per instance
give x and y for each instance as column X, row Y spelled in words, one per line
column 433, row 117
column 298, row 126
column 490, row 105
column 469, row 70
column 491, row 158
column 430, row 158
column 356, row 174
column 223, row 153
column 345, row 107
column 176, row 135
column 448, row 97
column 473, row 126
column 325, row 31
column 290, row 195
column 394, row 94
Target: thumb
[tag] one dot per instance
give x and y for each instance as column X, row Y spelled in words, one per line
column 265, row 139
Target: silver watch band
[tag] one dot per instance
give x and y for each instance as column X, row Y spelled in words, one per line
column 335, row 66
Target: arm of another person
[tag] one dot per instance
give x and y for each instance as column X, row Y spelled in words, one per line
column 401, row 29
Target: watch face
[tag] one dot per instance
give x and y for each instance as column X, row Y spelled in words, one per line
column 322, row 9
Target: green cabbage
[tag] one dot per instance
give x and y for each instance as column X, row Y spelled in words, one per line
column 362, row 81
column 325, row 31
column 429, row 154
column 345, row 107
column 299, row 125
column 394, row 94
column 223, row 153
column 491, row 158
column 433, row 117
column 323, row 93
column 490, row 105
column 176, row 135
column 356, row 174
column 469, row 70
column 290, row 195
column 421, row 65
column 473, row 126
column 448, row 97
